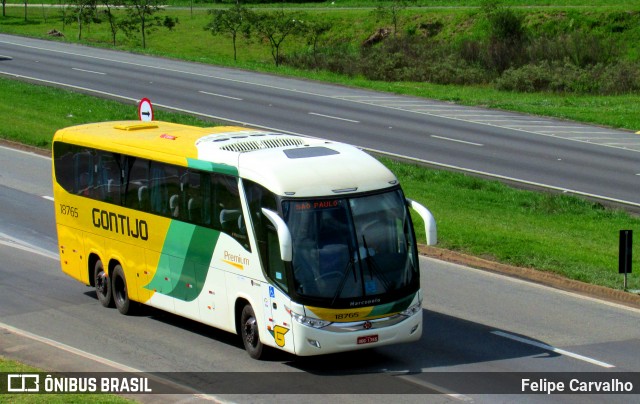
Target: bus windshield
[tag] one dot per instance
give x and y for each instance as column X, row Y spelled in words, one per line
column 352, row 250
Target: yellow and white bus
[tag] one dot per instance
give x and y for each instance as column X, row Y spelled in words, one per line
column 295, row 243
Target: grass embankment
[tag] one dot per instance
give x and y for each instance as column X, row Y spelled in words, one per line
column 558, row 233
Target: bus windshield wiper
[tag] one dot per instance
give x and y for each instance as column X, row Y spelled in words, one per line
column 343, row 280
column 373, row 266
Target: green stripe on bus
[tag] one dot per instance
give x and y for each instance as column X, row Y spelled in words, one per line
column 184, row 261
column 212, row 167
column 393, row 307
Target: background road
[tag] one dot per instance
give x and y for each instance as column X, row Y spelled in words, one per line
column 474, row 321
column 564, row 155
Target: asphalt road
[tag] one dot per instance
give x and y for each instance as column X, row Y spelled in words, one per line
column 474, row 322
column 558, row 154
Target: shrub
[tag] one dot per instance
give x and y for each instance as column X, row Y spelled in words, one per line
column 601, row 79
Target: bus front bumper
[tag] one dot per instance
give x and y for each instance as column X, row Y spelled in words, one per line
column 354, row 336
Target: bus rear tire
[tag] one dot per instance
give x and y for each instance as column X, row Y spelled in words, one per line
column 249, row 332
column 102, row 284
column 120, row 291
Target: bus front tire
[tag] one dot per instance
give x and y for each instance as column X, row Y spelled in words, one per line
column 120, row 292
column 250, row 333
column 102, row 284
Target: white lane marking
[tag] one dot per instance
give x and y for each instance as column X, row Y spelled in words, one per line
column 431, row 111
column 333, row 117
column 502, row 177
column 592, row 139
column 67, row 348
column 520, row 121
column 435, row 387
column 96, row 358
column 569, row 132
column 9, row 241
column 553, row 349
column 539, row 286
column 457, row 140
column 25, row 152
column 220, row 95
column 48, row 197
column 400, row 104
column 368, row 97
column 87, row 71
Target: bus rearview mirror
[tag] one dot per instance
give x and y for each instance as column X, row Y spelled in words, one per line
column 284, row 236
column 429, row 221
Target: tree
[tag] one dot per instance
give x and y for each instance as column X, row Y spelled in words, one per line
column 314, row 30
column 83, row 13
column 140, row 18
column 507, row 36
column 276, row 27
column 114, row 24
column 392, row 11
column 231, row 21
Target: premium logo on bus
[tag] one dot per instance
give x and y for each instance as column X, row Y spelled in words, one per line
column 236, row 260
column 121, row 224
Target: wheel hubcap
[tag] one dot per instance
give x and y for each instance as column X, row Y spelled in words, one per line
column 101, row 283
column 250, row 331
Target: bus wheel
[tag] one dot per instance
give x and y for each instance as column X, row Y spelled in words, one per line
column 120, row 293
column 103, row 285
column 250, row 334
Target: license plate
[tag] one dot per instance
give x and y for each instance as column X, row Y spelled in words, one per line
column 367, row 339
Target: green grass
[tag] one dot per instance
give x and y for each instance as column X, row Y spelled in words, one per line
column 55, row 108
column 376, row 3
column 557, row 233
column 9, row 366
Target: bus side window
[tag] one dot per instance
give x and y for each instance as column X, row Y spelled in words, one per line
column 136, row 194
column 259, row 197
column 228, row 210
column 63, row 154
column 193, row 197
column 166, row 190
column 83, row 170
column 109, row 179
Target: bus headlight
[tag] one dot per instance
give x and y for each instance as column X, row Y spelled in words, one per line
column 416, row 308
column 310, row 322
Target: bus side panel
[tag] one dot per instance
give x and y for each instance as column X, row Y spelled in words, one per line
column 214, row 308
column 159, row 281
column 242, row 287
column 72, row 258
column 131, row 258
column 276, row 319
column 184, row 272
column 92, row 244
column 70, row 213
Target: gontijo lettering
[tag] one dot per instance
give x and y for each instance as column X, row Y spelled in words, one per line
column 119, row 223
